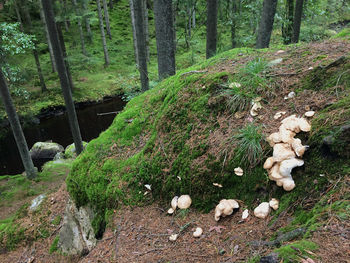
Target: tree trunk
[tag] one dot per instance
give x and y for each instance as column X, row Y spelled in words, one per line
column 141, row 43
column 62, row 73
column 35, row 52
column 266, row 23
column 42, row 16
column 175, row 8
column 145, row 23
column 163, row 16
column 233, row 9
column 189, row 20
column 16, row 128
column 194, row 15
column 87, row 22
column 212, row 15
column 111, row 4
column 66, row 22
column 287, row 25
column 18, row 14
column 65, row 55
column 105, row 10
column 132, row 15
column 80, row 28
column 103, row 36
column 297, row 20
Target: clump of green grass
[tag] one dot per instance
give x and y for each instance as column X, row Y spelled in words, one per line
column 54, row 245
column 248, row 143
column 251, row 76
column 236, row 98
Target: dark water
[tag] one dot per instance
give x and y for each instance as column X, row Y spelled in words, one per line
column 57, row 129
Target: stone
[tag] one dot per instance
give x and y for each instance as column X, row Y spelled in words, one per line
column 76, row 236
column 275, row 62
column 70, row 151
column 338, row 143
column 36, row 202
column 271, row 258
column 45, row 150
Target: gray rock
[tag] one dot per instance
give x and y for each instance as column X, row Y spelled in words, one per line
column 36, row 202
column 59, row 156
column 70, row 151
column 275, row 62
column 338, row 143
column 271, row 258
column 76, row 236
column 45, row 150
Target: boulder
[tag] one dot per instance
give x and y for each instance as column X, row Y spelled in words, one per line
column 70, row 151
column 45, row 150
column 76, row 236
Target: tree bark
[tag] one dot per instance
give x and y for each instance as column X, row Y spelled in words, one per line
column 103, row 36
column 233, row 9
column 16, row 128
column 18, row 14
column 212, row 15
column 66, row 22
column 163, row 16
column 141, row 44
column 111, row 4
column 87, row 22
column 297, row 20
column 132, row 15
column 266, row 23
column 65, row 55
column 62, row 73
column 105, row 10
column 287, row 25
column 145, row 23
column 80, row 28
column 42, row 16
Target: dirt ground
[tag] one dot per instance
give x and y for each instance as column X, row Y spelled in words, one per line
column 141, row 234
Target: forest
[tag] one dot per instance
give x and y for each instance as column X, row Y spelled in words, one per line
column 174, row 131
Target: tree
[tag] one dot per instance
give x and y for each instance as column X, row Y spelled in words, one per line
column 105, row 10
column 164, row 34
column 287, row 24
column 212, row 14
column 16, row 128
column 141, row 43
column 233, row 13
column 80, row 28
column 297, row 20
column 266, row 23
column 145, row 24
column 103, row 36
column 87, row 21
column 62, row 73
column 132, row 15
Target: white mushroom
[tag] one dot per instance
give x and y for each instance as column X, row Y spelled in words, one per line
column 262, row 210
column 225, row 208
column 279, row 115
column 274, row 203
column 309, row 114
column 171, row 211
column 148, row 186
column 298, row 148
column 238, row 171
column 255, row 108
column 234, row 85
column 173, row 237
column 282, row 151
column 198, row 232
column 245, row 214
column 269, row 162
column 174, row 202
column 274, row 138
column 184, row 202
column 290, row 95
column 217, row 185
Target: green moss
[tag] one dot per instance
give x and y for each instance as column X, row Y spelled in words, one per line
column 345, row 34
column 291, row 253
column 57, row 220
column 54, row 245
column 11, row 234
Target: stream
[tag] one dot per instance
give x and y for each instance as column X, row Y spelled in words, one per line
column 54, row 126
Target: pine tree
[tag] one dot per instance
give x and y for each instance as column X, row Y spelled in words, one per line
column 212, row 14
column 266, row 23
column 103, row 36
column 297, row 20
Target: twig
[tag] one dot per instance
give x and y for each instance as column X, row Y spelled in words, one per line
column 107, row 113
column 58, row 228
column 193, row 72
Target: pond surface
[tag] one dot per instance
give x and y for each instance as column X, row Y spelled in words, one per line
column 93, row 119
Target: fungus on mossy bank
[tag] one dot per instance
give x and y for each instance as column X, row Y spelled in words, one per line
column 225, row 208
column 184, row 202
column 198, row 232
column 263, row 210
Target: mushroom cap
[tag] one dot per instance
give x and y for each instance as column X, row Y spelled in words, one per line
column 262, row 210
column 184, row 202
column 198, row 232
column 274, row 173
column 288, row 184
column 287, row 166
column 171, row 211
column 173, row 237
column 174, row 202
column 245, row 214
column 274, row 203
column 285, row 134
column 309, row 113
column 304, row 125
column 291, row 123
column 238, row 171
column 269, row 163
column 279, row 115
column 274, row 138
column 225, row 207
column 298, row 148
column 282, row 151
column 256, row 108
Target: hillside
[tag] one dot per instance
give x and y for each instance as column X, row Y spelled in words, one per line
column 190, row 131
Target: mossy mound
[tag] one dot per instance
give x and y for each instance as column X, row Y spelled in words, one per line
column 182, row 136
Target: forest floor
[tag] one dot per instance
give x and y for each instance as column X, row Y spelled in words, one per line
column 141, row 234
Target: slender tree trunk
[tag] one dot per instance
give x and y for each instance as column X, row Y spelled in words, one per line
column 266, row 23
column 35, row 52
column 66, row 22
column 108, row 27
column 145, row 23
column 62, row 73
column 194, row 15
column 175, row 8
column 212, row 15
column 287, row 25
column 18, row 14
column 297, row 20
column 65, row 56
column 16, row 128
column 81, row 33
column 111, row 4
column 163, row 16
column 189, row 20
column 141, row 43
column 104, row 43
column 233, row 9
column 132, row 15
column 87, row 22
column 42, row 16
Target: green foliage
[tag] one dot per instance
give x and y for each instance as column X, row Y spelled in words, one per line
column 291, row 253
column 54, row 245
column 11, row 234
